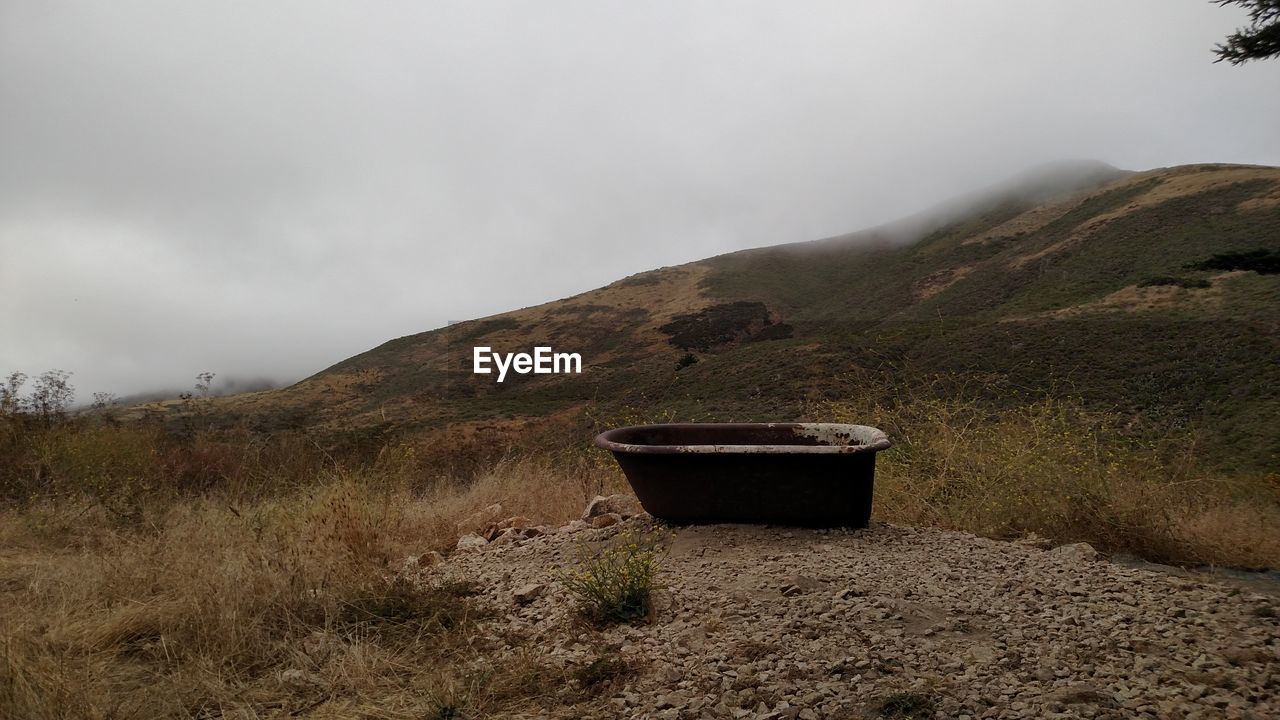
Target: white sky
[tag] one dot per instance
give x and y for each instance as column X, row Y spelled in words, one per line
column 263, row 189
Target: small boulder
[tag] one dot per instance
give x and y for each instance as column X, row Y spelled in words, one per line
column 506, row 537
column 603, row 521
column 526, row 594
column 621, row 505
column 431, row 558
column 518, row 522
column 471, row 541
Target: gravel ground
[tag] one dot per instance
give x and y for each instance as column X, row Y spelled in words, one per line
column 759, row 622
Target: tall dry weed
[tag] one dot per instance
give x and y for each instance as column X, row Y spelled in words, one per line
column 1051, row 467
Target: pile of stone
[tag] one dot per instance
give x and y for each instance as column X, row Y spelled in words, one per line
column 484, row 528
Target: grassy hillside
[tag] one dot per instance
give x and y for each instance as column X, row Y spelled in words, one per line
column 1088, row 282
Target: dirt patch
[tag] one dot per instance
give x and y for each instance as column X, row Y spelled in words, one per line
column 935, row 282
column 1137, row 298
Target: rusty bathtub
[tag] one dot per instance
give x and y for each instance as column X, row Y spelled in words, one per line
column 804, row 474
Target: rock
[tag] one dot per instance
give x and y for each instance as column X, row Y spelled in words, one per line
column 624, row 506
column 797, row 584
column 526, row 594
column 1078, row 694
column 471, row 541
column 506, row 537
column 1244, row 656
column 481, row 521
column 1078, row 552
column 519, row 522
column 431, row 558
column 603, row 521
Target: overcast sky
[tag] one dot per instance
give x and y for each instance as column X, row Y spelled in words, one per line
column 265, row 188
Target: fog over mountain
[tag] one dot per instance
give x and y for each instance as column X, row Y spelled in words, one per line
column 260, row 190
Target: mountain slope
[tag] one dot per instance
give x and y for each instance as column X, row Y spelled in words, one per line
column 1074, row 280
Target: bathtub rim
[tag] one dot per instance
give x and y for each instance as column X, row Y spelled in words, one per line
column 870, row 439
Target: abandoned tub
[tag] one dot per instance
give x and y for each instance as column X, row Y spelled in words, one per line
column 807, row 474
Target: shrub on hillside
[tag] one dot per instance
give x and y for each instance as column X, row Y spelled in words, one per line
column 1182, row 282
column 1261, row 261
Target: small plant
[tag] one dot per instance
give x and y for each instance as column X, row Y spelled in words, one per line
column 907, row 705
column 685, row 361
column 400, row 602
column 616, row 584
column 601, row 671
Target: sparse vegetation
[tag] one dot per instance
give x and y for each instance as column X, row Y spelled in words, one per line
column 685, row 361
column 907, row 705
column 602, row 672
column 615, row 584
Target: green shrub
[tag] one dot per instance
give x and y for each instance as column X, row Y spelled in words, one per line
column 1261, row 261
column 616, row 584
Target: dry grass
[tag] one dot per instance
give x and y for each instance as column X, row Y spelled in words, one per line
column 213, row 605
column 233, row 575
column 1051, row 468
